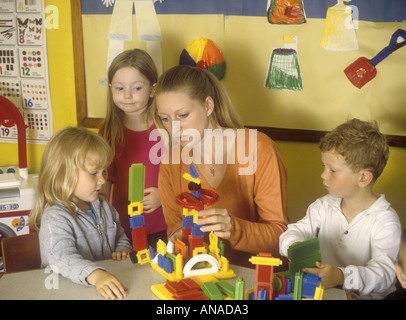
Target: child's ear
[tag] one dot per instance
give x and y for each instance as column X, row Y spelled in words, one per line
column 366, row 177
column 152, row 93
column 401, row 275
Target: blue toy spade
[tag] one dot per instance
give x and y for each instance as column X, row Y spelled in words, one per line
column 362, row 70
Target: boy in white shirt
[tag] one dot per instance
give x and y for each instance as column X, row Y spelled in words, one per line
column 358, row 230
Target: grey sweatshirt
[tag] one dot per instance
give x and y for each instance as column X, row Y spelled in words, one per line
column 71, row 246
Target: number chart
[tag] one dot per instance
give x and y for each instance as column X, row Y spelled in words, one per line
column 24, row 68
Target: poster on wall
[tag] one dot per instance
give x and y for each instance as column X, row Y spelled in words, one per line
column 24, row 68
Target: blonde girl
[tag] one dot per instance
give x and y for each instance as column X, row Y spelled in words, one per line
column 76, row 226
column 127, row 126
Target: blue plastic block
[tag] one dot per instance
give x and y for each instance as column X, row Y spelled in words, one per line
column 262, row 294
column 288, row 285
column 309, row 285
column 193, row 172
column 137, row 221
column 310, row 278
column 196, row 232
column 187, row 222
column 251, row 296
column 165, row 263
column 284, row 297
column 196, row 194
column 151, row 252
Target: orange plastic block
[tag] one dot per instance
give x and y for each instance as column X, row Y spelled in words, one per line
column 182, row 248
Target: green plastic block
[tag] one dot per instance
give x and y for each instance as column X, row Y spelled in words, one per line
column 297, row 288
column 136, row 182
column 211, row 291
column 304, row 255
column 239, row 288
column 226, row 288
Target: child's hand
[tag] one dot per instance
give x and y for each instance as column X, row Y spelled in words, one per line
column 120, row 255
column 151, row 200
column 330, row 276
column 107, row 284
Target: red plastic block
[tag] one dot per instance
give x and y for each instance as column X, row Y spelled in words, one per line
column 195, row 242
column 186, row 232
column 139, row 237
column 190, row 283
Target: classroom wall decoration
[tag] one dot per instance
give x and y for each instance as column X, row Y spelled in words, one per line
column 23, row 67
column 322, row 99
column 204, row 54
column 339, row 31
column 284, row 70
column 286, row 12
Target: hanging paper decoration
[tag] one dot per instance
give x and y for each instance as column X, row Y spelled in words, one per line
column 204, row 54
column 284, row 71
column 339, row 32
column 286, row 12
column 362, row 70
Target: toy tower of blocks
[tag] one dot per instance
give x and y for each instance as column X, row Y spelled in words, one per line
column 135, row 210
column 190, row 256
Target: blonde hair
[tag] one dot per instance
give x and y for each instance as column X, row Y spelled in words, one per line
column 112, row 128
column 199, row 84
column 360, row 143
column 64, row 155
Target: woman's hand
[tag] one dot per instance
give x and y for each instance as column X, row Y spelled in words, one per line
column 217, row 220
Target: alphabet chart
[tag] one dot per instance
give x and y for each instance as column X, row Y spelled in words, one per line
column 24, row 68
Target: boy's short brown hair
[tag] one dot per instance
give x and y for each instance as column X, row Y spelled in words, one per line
column 360, row 143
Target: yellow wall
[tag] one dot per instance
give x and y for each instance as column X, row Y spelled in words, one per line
column 302, row 159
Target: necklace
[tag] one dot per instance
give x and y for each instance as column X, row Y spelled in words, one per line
column 212, row 171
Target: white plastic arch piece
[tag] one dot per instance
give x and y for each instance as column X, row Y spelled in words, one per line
column 188, row 272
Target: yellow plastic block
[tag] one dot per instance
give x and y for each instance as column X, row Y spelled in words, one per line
column 266, row 261
column 188, row 177
column 318, row 294
column 199, row 250
column 161, row 247
column 135, row 208
column 143, row 256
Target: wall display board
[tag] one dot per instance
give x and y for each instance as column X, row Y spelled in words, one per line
column 308, row 96
column 24, row 67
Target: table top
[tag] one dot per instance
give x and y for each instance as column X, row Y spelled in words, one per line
column 43, row 284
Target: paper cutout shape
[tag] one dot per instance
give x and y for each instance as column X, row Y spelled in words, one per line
column 286, row 12
column 339, row 31
column 283, row 70
column 362, row 70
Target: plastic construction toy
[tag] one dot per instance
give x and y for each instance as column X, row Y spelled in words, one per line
column 189, row 258
column 292, row 284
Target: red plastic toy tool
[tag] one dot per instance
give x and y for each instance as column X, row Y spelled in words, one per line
column 10, row 116
column 362, row 70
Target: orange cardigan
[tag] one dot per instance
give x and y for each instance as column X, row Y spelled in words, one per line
column 257, row 203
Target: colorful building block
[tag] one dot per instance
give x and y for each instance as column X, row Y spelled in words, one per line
column 304, row 255
column 211, row 291
column 137, row 221
column 239, row 288
column 136, row 182
column 139, row 237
